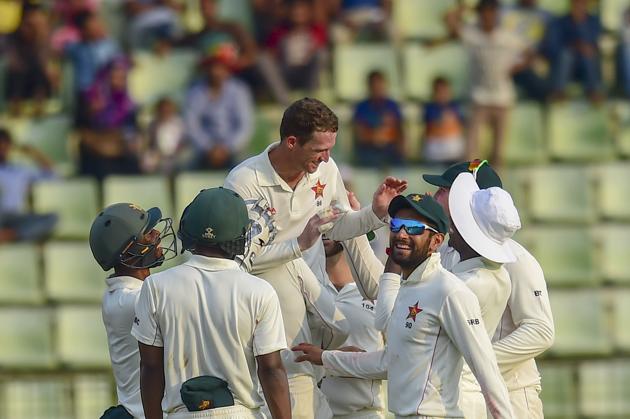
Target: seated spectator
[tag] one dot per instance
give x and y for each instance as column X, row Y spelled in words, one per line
column 66, row 13
column 528, row 20
column 151, row 20
column 377, row 127
column 94, row 51
column 16, row 224
column 624, row 53
column 218, row 113
column 295, row 52
column 216, row 32
column 30, row 73
column 165, row 139
column 494, row 54
column 362, row 20
column 109, row 142
column 573, row 40
column 443, row 120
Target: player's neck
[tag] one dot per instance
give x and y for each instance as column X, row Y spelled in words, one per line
column 338, row 271
column 282, row 164
column 140, row 274
column 466, row 252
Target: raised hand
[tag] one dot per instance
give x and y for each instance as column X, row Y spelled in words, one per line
column 390, row 188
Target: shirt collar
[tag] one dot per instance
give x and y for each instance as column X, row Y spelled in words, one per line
column 211, row 264
column 122, row 282
column 473, row 264
column 424, row 270
column 267, row 175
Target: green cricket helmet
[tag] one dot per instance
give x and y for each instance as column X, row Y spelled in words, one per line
column 117, row 231
column 216, row 217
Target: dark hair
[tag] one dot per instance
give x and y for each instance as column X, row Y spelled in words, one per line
column 305, row 117
column 375, row 74
column 5, row 135
column 440, row 80
column 487, row 4
column 82, row 18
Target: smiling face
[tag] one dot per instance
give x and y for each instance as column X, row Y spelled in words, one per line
column 409, row 251
column 309, row 155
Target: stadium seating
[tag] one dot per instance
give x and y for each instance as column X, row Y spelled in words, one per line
column 38, row 398
column 561, row 194
column 526, row 136
column 514, row 182
column 352, row 64
column 238, row 11
column 614, row 252
column 620, row 315
column 75, row 201
column 565, row 254
column 81, row 340
column 21, row 274
column 559, row 392
column 92, row 395
column 581, row 323
column 188, row 185
column 26, row 339
column 422, row 64
column 145, row 191
column 578, row 131
column 363, row 182
column 622, row 119
column 612, row 13
column 613, row 189
column 71, row 272
column 604, row 388
column 421, row 19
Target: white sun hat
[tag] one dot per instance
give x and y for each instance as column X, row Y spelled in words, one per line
column 485, row 218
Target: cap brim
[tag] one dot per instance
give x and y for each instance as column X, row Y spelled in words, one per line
column 436, row 180
column 459, row 201
column 154, row 215
column 401, row 202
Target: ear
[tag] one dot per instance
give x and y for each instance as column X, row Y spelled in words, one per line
column 436, row 241
column 291, row 141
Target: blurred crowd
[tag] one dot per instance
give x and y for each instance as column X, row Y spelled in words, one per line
column 515, row 51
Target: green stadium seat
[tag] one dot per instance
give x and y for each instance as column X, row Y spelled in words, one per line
column 620, row 315
column 42, row 397
column 238, row 11
column 422, row 64
column 611, row 12
column 189, row 184
column 578, row 131
column 343, row 151
column 363, row 182
column 20, row 281
column 514, row 182
column 526, row 137
column 565, row 254
column 413, row 175
column 145, row 191
column 75, row 201
column 581, row 323
column 559, row 392
column 561, row 194
column 71, row 272
column 554, row 6
column 613, row 190
column 26, row 339
column 81, row 338
column 622, row 118
column 604, row 388
column 352, row 64
column 421, row 19
column 153, row 77
column 92, row 395
column 615, row 248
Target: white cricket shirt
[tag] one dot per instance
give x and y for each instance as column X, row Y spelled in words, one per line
column 211, row 318
column 349, row 395
column 118, row 308
column 435, row 320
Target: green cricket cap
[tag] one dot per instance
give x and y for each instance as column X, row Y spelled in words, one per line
column 485, row 175
column 425, row 205
column 205, row 392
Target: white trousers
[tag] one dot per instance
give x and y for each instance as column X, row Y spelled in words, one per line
column 307, row 401
column 231, row 412
column 526, row 403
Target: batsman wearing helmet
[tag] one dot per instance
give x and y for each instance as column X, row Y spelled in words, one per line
column 129, row 240
column 210, row 333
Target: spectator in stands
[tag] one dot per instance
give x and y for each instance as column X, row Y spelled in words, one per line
column 624, row 52
column 494, row 54
column 362, row 20
column 66, row 13
column 443, row 120
column 573, row 40
column 107, row 124
column 94, row 51
column 377, row 127
column 15, row 182
column 152, row 20
column 267, row 14
column 165, row 139
column 218, row 113
column 219, row 32
column 30, row 73
column 528, row 21
column 295, row 51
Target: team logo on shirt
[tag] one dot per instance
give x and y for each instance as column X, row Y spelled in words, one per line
column 209, row 234
column 318, row 189
column 414, row 310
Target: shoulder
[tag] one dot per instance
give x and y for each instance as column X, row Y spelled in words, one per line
column 524, row 259
column 362, row 106
column 256, row 287
column 244, row 173
column 237, row 86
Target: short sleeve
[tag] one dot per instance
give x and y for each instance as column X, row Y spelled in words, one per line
column 145, row 327
column 269, row 332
